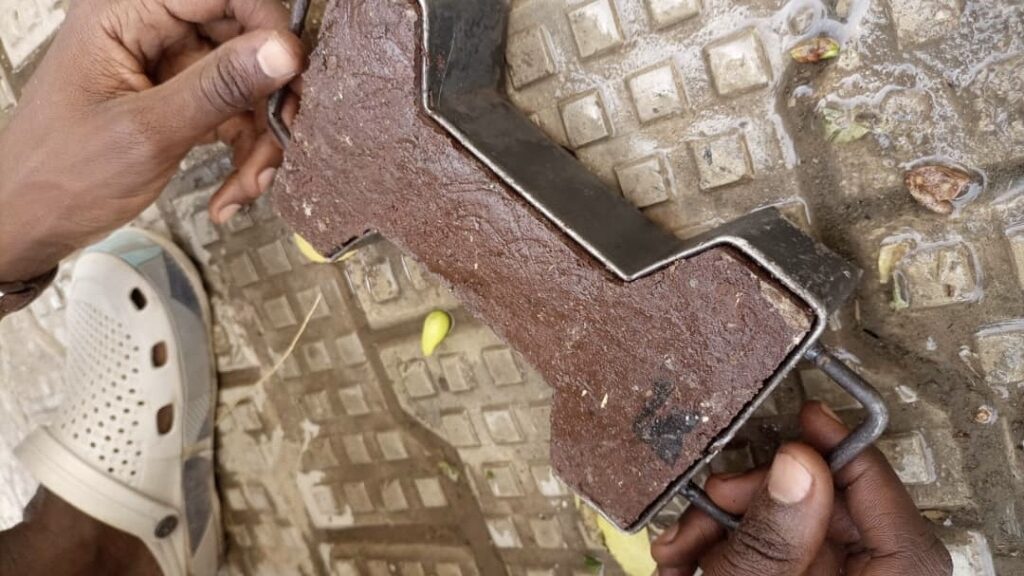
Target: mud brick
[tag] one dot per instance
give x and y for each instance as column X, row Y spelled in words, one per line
column 520, row 276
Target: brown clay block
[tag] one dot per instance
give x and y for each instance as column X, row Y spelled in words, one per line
column 646, row 373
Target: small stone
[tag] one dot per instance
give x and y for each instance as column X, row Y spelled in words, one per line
column 985, row 414
column 907, row 394
column 815, row 50
column 935, row 187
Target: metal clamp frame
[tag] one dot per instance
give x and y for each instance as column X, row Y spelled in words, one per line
column 275, row 104
column 463, row 93
column 866, row 432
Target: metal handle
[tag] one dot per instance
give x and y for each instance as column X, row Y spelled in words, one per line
column 275, row 104
column 863, row 436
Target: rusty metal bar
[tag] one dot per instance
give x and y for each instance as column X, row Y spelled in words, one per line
column 275, row 104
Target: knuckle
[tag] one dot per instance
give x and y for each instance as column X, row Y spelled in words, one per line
column 227, row 85
column 929, row 556
column 757, row 546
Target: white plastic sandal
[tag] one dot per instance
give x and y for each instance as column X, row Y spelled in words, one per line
column 133, row 443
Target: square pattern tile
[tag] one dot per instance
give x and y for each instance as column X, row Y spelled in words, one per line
column 665, row 13
column 910, row 457
column 721, row 160
column 920, row 21
column 1000, row 350
column 501, row 365
column 595, row 28
column 656, row 93
column 645, row 182
column 381, row 281
column 585, row 119
column 938, row 276
column 529, row 56
column 737, row 63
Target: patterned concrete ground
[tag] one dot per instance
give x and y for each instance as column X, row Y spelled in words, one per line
column 348, row 453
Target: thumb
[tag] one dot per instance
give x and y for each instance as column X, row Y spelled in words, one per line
column 785, row 526
column 224, row 83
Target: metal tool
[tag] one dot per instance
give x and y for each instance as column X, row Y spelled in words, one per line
column 463, row 69
column 275, row 105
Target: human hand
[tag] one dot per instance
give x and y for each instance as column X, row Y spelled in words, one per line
column 796, row 522
column 127, row 88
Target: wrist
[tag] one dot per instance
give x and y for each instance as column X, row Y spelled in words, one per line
column 27, row 250
column 21, row 262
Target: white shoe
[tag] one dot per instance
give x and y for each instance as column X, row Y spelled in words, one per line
column 138, row 344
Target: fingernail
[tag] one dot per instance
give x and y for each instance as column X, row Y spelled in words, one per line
column 828, row 412
column 227, row 212
column 788, row 482
column 275, row 59
column 265, row 178
column 669, row 534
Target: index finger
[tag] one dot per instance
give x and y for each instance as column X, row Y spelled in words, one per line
column 251, row 14
column 879, row 504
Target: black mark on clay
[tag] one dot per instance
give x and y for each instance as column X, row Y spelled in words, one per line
column 661, row 429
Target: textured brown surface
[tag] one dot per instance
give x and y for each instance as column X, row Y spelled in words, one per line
column 646, row 373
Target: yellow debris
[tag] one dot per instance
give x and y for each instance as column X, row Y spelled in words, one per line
column 308, row 251
column 631, row 551
column 889, row 255
column 436, row 327
column 312, row 255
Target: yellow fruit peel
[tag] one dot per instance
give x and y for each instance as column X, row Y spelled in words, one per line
column 436, row 327
column 632, row 552
column 307, row 250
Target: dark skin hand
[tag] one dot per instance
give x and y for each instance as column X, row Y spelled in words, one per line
column 127, row 88
column 798, row 520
